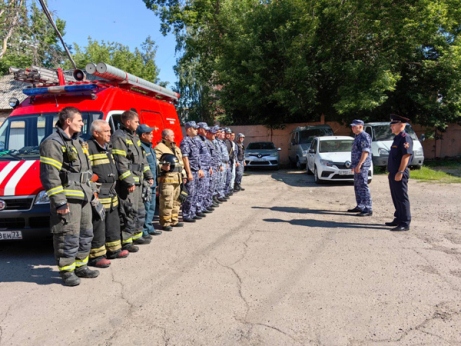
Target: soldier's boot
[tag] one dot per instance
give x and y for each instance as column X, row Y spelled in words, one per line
column 236, row 188
column 85, row 272
column 241, row 188
column 69, row 279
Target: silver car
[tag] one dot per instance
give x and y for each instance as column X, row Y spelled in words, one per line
column 262, row 154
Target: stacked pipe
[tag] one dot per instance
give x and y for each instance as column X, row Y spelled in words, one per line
column 38, row 75
column 114, row 74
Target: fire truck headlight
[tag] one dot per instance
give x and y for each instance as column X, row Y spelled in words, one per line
column 42, row 198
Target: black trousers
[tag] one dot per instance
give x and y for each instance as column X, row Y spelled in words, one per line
column 399, row 193
column 106, row 234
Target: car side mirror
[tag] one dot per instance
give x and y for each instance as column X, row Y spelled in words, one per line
column 312, row 151
column 422, row 138
column 279, row 149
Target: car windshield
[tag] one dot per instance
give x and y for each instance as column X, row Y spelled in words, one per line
column 306, row 136
column 384, row 133
column 20, row 136
column 260, row 145
column 336, row 146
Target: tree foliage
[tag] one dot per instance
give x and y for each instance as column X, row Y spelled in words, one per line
column 141, row 62
column 28, row 37
column 273, row 62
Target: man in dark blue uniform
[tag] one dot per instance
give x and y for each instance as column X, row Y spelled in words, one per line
column 360, row 164
column 399, row 157
column 145, row 135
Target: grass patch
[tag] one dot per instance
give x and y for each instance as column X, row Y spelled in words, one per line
column 433, row 174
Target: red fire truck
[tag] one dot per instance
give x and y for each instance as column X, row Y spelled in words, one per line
column 104, row 92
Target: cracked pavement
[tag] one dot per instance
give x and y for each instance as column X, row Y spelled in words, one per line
column 280, row 263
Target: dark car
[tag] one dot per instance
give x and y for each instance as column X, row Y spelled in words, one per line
column 262, row 154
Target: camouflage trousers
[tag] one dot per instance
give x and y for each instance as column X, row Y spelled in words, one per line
column 189, row 207
column 362, row 191
column 203, row 188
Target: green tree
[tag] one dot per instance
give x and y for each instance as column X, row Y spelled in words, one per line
column 274, row 62
column 140, row 62
column 31, row 40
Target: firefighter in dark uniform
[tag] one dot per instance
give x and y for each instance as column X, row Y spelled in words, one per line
column 132, row 169
column 65, row 173
column 145, row 134
column 106, row 242
column 400, row 156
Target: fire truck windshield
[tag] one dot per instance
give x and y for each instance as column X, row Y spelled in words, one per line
column 20, row 136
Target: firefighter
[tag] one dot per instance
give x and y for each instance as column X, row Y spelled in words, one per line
column 132, row 169
column 65, row 173
column 169, row 182
column 145, row 134
column 106, row 241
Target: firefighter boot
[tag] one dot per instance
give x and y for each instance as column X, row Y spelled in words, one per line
column 69, row 279
column 85, row 272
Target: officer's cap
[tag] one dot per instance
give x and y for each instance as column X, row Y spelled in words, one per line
column 396, row 119
column 240, row 135
column 227, row 130
column 143, row 128
column 357, row 122
column 213, row 129
column 202, row 125
column 191, row 124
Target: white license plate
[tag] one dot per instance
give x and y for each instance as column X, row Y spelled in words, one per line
column 345, row 172
column 10, row 235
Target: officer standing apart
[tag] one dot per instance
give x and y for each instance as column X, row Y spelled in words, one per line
column 229, row 188
column 132, row 168
column 400, row 156
column 145, row 134
column 106, row 241
column 191, row 157
column 65, row 173
column 170, row 181
column 361, row 163
column 240, row 163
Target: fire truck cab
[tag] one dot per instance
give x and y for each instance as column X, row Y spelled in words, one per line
column 24, row 205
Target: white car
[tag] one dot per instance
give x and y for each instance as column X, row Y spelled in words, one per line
column 329, row 159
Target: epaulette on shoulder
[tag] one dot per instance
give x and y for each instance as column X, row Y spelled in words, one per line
column 403, row 134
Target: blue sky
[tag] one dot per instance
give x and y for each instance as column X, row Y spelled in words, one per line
column 128, row 22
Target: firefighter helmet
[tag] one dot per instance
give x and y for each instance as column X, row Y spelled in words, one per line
column 169, row 159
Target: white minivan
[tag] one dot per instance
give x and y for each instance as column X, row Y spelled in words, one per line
column 381, row 141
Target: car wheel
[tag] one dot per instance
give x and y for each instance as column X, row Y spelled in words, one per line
column 298, row 164
column 308, row 171
column 316, row 176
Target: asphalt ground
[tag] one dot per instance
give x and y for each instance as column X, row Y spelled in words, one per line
column 280, row 263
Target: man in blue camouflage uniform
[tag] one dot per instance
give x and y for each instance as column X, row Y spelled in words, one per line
column 240, row 163
column 361, row 163
column 225, row 166
column 216, row 166
column 234, row 165
column 191, row 157
column 205, row 163
column 400, row 156
column 228, row 191
column 145, row 135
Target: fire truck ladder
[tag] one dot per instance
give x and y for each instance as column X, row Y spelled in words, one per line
column 114, row 74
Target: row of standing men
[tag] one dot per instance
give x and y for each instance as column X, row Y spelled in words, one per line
column 102, row 192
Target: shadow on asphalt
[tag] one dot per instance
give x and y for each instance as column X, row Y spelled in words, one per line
column 28, row 261
column 320, row 223
column 330, row 224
